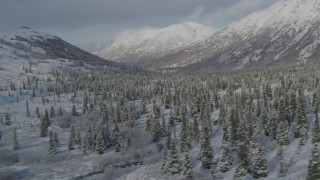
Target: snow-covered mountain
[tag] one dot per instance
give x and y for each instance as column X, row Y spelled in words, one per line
column 26, row 44
column 143, row 46
column 285, row 33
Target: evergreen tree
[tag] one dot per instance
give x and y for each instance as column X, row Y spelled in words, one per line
column 78, row 139
column 52, row 144
column 52, row 112
column 15, row 145
column 187, row 167
column 38, row 112
column 316, row 127
column 89, row 139
column 56, row 140
column 283, row 166
column 260, row 166
column 174, row 166
column 184, row 135
column 72, row 138
column 222, row 116
column 116, row 138
column 265, row 121
column 100, row 145
column 314, row 164
column 27, row 109
column 74, row 110
column 196, row 131
column 165, row 158
column 163, row 130
column 206, row 150
column 283, row 132
column 224, row 161
column 301, row 118
column 243, row 161
column 7, row 119
column 168, row 140
column 44, row 124
column 60, row 112
column 85, row 144
column 155, row 129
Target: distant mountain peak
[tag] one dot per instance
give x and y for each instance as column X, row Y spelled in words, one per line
column 143, row 45
column 285, row 33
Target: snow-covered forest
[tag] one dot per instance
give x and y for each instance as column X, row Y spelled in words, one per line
column 60, row 123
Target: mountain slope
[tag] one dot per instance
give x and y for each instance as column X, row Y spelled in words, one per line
column 287, row 32
column 141, row 47
column 28, row 44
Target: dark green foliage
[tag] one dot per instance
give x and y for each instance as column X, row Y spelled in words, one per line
column 174, row 166
column 260, row 165
column 187, row 172
column 52, row 112
column 283, row 129
column 44, row 124
column 15, row 144
column 27, row 109
column 52, row 149
column 314, row 164
column 74, row 110
column 225, row 159
column 100, row 144
column 72, row 139
column 283, row 167
column 206, row 153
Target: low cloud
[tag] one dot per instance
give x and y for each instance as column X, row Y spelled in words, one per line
column 125, row 34
column 227, row 14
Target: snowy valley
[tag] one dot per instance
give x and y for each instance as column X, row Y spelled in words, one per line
column 241, row 102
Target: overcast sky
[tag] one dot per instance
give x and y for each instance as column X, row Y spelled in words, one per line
column 92, row 24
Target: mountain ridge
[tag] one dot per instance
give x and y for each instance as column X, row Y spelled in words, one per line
column 284, row 33
column 26, row 44
column 148, row 44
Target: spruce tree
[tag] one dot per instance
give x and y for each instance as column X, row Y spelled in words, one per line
column 187, row 167
column 85, row 145
column 260, row 165
column 206, row 154
column 15, row 144
column 44, row 124
column 283, row 166
column 283, row 132
column 27, row 109
column 224, row 161
column 314, row 164
column 243, row 152
column 184, row 135
column 52, row 149
column 155, row 129
column 174, row 166
column 38, row 112
column 316, row 127
column 72, row 138
column 196, row 131
column 78, row 141
column 7, row 119
column 163, row 130
column 100, row 145
column 74, row 110
column 56, row 140
column 116, row 138
column 165, row 158
column 52, row 112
